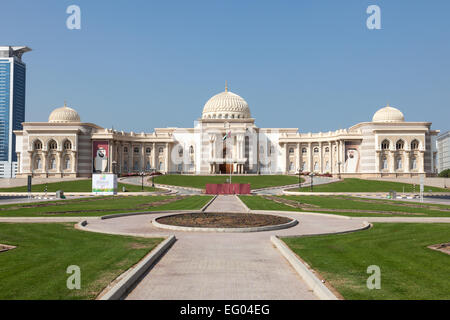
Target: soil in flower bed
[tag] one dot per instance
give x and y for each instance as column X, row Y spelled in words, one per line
column 223, row 220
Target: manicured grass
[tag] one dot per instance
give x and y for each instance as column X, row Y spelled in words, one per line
column 349, row 206
column 74, row 186
column 409, row 270
column 200, row 182
column 100, row 206
column 36, row 269
column 360, row 185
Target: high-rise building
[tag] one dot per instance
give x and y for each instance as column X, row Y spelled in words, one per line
column 12, row 105
column 443, row 147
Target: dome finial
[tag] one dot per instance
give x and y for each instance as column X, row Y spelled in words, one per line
column 226, row 86
column 65, row 103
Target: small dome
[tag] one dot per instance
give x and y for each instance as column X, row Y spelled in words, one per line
column 64, row 114
column 226, row 105
column 388, row 114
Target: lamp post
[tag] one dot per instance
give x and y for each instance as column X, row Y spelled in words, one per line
column 142, row 174
column 311, row 175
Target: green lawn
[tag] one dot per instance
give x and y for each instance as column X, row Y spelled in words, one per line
column 99, row 206
column 74, row 186
column 36, row 269
column 349, row 206
column 200, row 182
column 409, row 270
column 360, row 185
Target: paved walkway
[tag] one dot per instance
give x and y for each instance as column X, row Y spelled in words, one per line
column 227, row 203
column 222, row 265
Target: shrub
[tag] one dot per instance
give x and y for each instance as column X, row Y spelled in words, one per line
column 445, row 174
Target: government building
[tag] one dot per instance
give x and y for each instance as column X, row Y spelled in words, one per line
column 225, row 139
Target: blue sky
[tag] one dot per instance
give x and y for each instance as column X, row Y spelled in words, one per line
column 312, row 65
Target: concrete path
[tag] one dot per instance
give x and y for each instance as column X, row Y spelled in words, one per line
column 222, row 265
column 227, row 203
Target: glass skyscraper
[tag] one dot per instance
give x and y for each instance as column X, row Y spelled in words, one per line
column 12, row 105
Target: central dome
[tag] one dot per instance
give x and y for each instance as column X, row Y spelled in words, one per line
column 388, row 114
column 226, row 105
column 64, row 114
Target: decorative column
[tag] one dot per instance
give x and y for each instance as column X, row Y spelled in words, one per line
column 74, row 162
column 166, row 158
column 299, row 162
column 330, row 145
column 406, row 165
column 142, row 156
column 45, row 160
column 310, row 151
column 154, row 156
column 320, row 157
column 60, row 168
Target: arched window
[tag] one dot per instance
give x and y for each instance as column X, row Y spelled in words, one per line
column 191, row 150
column 399, row 163
column 180, row 167
column 327, row 149
column 384, row 163
column 316, row 166
column 125, row 166
column 226, row 117
column 161, row 166
column 413, row 163
column 220, row 116
column 385, row 145
column 291, row 150
column 304, row 150
column 327, row 166
column 232, row 116
column 67, row 145
column 38, row 163
column 291, row 166
column 147, row 166
column 180, row 151
column 303, row 166
column 316, row 150
column 67, row 163
column 161, row 150
column 414, row 145
column 52, row 163
column 400, row 145
column 52, row 145
column 125, row 149
column 37, row 145
column 136, row 166
column 136, row 150
column 148, row 150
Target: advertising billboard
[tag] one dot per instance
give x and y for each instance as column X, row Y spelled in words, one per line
column 104, row 183
column 100, row 154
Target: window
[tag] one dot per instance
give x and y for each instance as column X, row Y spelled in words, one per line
column 327, row 149
column 161, row 150
column 37, row 145
column 161, row 166
column 327, row 166
column 413, row 163
column 291, row 166
column 180, row 167
column 316, row 166
column 67, row 145
column 316, row 150
column 147, row 166
column 53, row 163
column 180, row 151
column 148, row 150
column 399, row 163
column 414, row 145
column 38, row 163
column 136, row 150
column 191, row 150
column 67, row 163
column 304, row 150
column 384, row 164
column 303, row 166
column 52, row 145
column 136, row 166
column 125, row 149
column 400, row 145
column 385, row 145
column 291, row 150
column 125, row 166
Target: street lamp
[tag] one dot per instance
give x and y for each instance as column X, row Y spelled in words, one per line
column 311, row 175
column 142, row 174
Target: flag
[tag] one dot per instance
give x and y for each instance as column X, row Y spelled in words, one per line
column 228, row 135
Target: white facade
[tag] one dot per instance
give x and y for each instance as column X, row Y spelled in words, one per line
column 443, row 147
column 226, row 139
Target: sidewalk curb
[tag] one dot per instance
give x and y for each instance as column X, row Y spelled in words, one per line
column 319, row 289
column 247, row 209
column 208, row 204
column 132, row 275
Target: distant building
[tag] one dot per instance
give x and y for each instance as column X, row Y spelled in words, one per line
column 12, row 105
column 226, row 140
column 443, row 147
